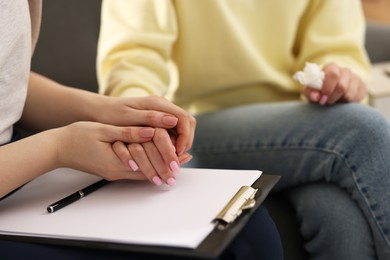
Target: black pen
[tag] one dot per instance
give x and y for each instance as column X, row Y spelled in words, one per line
column 76, row 196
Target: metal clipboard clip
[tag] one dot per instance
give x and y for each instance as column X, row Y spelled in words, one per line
column 244, row 199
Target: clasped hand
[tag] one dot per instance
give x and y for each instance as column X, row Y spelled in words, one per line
column 132, row 138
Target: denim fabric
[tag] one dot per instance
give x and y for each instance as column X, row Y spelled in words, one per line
column 353, row 239
column 346, row 144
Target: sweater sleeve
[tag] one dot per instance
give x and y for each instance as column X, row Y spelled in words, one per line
column 134, row 48
column 333, row 31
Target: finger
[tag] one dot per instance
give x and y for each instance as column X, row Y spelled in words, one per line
column 185, row 158
column 186, row 123
column 127, row 134
column 139, row 155
column 186, row 134
column 158, row 163
column 351, row 94
column 362, row 90
column 357, row 90
column 332, row 75
column 151, row 118
column 156, row 103
column 163, row 142
column 342, row 86
column 173, row 136
column 121, row 151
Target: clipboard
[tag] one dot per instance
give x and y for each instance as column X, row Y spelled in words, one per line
column 211, row 247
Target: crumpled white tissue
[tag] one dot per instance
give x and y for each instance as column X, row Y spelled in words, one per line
column 311, row 76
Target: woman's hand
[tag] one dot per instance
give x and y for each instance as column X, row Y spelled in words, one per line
column 156, row 159
column 87, row 146
column 148, row 111
column 340, row 85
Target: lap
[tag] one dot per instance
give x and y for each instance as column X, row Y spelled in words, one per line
column 299, row 141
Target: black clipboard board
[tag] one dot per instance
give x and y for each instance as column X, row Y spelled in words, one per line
column 210, row 248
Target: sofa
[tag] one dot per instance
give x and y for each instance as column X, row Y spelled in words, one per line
column 66, row 52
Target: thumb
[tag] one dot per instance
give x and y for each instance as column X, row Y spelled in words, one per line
column 129, row 134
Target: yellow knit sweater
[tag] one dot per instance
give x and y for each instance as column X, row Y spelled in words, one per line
column 206, row 55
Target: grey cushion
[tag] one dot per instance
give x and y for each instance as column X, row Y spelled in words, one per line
column 66, row 48
column 378, row 42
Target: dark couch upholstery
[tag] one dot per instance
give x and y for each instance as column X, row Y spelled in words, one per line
column 66, row 48
column 66, row 52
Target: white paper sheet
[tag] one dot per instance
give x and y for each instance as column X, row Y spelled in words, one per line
column 133, row 212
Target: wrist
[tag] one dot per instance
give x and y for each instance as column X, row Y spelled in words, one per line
column 95, row 108
column 56, row 138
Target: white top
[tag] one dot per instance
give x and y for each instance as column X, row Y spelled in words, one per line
column 15, row 55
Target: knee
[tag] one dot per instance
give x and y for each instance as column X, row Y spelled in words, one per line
column 363, row 120
column 325, row 205
column 330, row 220
column 357, row 128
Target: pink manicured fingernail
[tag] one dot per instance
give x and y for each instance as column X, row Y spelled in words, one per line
column 133, row 165
column 323, row 100
column 157, row 181
column 171, row 182
column 146, row 132
column 174, row 167
column 169, row 120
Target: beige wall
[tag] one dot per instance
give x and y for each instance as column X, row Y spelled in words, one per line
column 377, row 10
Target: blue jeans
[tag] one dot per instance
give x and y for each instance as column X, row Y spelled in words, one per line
column 345, row 146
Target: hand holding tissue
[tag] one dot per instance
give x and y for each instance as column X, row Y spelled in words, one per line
column 312, row 76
